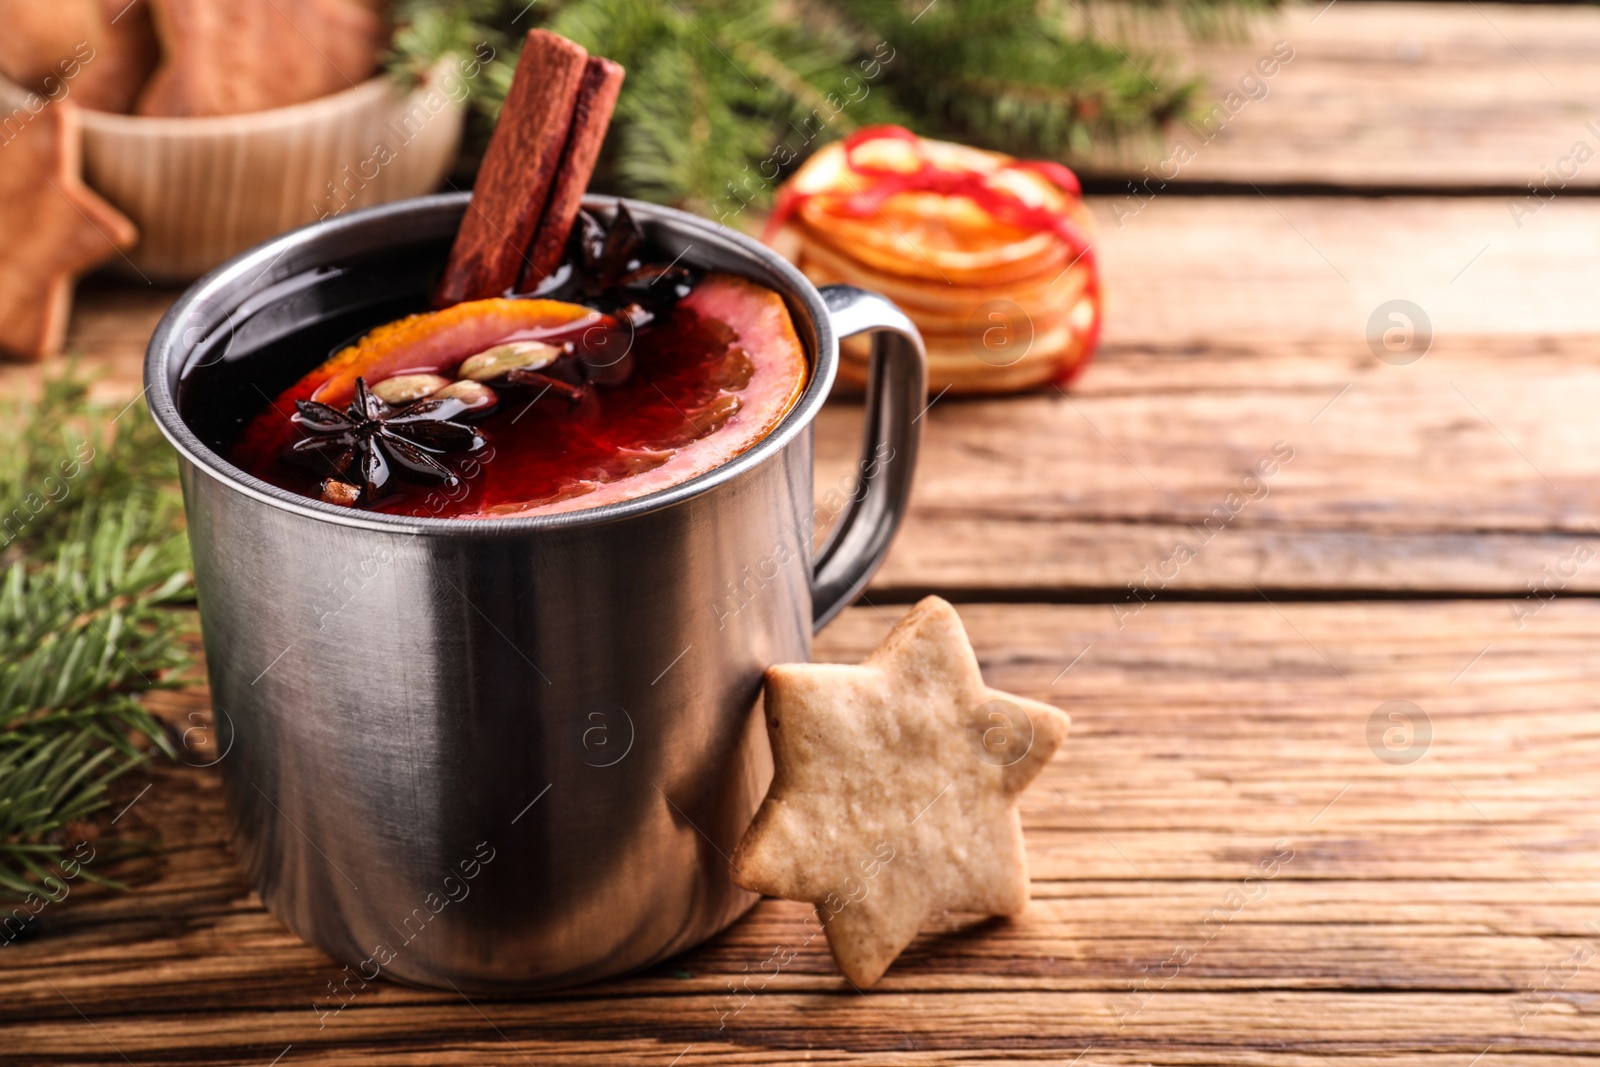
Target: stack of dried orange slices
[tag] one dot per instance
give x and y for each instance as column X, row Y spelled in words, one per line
column 989, row 255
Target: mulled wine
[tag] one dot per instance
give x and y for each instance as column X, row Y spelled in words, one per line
column 623, row 379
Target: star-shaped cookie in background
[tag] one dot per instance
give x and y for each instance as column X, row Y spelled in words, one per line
column 98, row 52
column 895, row 790
column 251, row 55
column 52, row 228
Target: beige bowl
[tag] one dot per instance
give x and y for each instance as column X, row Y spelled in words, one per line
column 204, row 189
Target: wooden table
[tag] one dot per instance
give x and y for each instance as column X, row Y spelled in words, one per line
column 1435, row 896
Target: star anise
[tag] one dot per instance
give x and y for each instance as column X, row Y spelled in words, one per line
column 604, row 268
column 369, row 441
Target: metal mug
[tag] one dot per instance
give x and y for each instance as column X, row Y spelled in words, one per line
column 512, row 754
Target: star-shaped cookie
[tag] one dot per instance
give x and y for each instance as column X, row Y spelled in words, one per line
column 251, row 55
column 895, row 791
column 98, row 52
column 52, row 228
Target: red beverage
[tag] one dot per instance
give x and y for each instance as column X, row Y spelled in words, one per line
column 602, row 408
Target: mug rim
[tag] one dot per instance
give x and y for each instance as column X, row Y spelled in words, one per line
column 167, row 345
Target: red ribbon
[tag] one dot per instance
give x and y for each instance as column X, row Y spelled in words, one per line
column 1000, row 204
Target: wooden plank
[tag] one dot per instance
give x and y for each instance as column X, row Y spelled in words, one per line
column 1465, row 472
column 1187, row 269
column 1422, row 912
column 1413, row 95
column 972, row 1028
column 112, row 320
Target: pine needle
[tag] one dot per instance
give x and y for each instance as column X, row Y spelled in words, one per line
column 724, row 97
column 96, row 570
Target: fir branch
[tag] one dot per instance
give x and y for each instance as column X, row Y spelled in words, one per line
column 96, row 568
column 715, row 90
column 998, row 73
column 724, row 96
column 427, row 32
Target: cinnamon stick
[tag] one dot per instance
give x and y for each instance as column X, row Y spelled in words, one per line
column 519, row 168
column 591, row 114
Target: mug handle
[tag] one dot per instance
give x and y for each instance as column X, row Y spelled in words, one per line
column 897, row 383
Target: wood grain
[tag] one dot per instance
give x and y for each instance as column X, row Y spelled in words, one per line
column 1302, row 269
column 1297, row 269
column 1419, row 911
column 1468, row 471
column 1464, row 472
column 1187, row 269
column 1413, row 95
